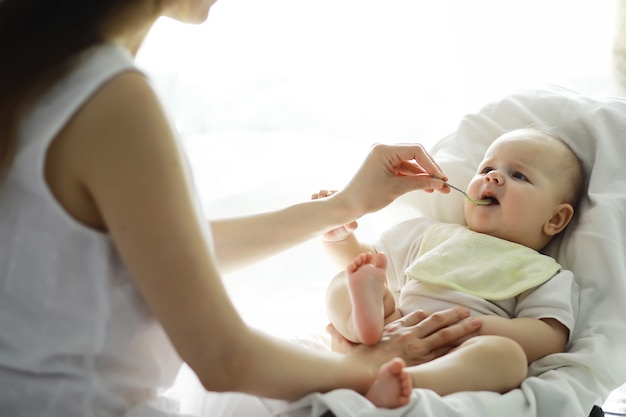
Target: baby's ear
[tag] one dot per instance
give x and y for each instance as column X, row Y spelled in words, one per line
column 561, row 217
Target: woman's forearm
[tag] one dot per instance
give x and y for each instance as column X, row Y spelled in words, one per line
column 388, row 172
column 244, row 240
column 300, row 372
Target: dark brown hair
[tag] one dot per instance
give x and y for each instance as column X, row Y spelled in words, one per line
column 38, row 39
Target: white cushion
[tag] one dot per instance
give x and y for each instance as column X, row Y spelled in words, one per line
column 593, row 247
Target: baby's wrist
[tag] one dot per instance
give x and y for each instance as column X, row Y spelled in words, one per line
column 336, row 239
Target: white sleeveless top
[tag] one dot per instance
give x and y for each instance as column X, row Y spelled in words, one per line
column 76, row 339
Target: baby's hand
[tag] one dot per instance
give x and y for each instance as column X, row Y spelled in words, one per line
column 340, row 233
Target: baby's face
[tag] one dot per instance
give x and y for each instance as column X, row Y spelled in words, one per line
column 519, row 174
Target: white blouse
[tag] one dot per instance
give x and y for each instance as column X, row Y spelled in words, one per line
column 76, row 339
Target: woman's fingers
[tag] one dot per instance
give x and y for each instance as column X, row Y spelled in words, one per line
column 427, row 323
column 412, row 165
column 410, row 159
column 440, row 320
column 433, row 334
column 415, row 317
column 388, row 172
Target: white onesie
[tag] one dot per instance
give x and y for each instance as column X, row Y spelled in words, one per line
column 556, row 297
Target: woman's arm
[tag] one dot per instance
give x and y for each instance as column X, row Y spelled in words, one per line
column 244, row 240
column 387, row 172
column 128, row 165
column 127, row 178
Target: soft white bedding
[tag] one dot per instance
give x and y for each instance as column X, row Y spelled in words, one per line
column 594, row 248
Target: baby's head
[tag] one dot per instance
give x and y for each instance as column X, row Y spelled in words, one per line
column 534, row 180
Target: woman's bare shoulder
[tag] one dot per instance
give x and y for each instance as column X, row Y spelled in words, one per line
column 122, row 129
column 123, row 102
column 123, row 118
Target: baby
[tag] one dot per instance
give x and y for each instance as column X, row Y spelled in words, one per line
column 493, row 266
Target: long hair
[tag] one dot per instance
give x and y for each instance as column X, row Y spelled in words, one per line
column 38, row 39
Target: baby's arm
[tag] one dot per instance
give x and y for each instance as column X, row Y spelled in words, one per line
column 343, row 252
column 538, row 337
column 341, row 244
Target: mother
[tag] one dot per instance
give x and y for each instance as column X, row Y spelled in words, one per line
column 109, row 277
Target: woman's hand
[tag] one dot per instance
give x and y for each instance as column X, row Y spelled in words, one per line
column 417, row 337
column 388, row 172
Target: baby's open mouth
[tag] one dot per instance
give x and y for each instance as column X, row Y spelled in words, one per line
column 492, row 199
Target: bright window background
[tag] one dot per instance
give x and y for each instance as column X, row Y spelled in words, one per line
column 276, row 99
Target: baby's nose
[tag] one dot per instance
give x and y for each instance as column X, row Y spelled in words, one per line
column 493, row 176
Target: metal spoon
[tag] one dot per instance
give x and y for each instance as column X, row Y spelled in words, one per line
column 484, row 202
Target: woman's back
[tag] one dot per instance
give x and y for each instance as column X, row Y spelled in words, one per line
column 63, row 282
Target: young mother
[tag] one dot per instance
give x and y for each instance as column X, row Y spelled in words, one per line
column 109, row 274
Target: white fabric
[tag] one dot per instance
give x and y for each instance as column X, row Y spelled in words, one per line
column 76, row 339
column 594, row 248
column 557, row 298
column 482, row 265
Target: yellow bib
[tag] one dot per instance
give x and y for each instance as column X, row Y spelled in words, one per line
column 453, row 256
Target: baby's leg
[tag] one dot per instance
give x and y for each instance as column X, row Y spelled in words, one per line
column 366, row 283
column 392, row 387
column 359, row 299
column 483, row 363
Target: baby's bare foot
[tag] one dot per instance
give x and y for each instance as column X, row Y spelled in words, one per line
column 366, row 283
column 392, row 387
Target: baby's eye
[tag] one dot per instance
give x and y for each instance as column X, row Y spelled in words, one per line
column 486, row 170
column 519, row 176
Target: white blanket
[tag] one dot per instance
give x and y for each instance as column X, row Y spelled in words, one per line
column 594, row 248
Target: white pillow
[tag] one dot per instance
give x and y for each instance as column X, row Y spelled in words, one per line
column 594, row 248
column 594, row 245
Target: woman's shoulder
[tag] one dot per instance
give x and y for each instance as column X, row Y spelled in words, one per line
column 118, row 97
column 123, row 117
column 88, row 74
column 126, row 95
column 115, row 85
column 120, row 126
column 89, row 71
